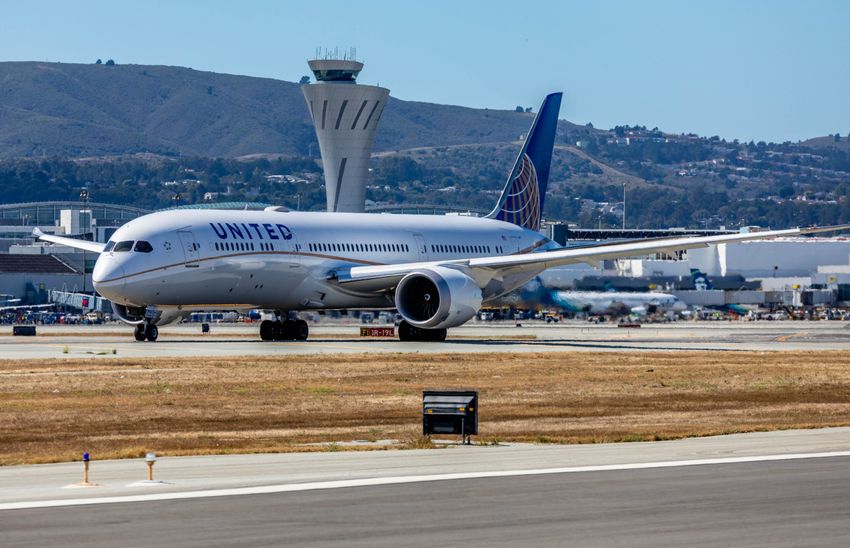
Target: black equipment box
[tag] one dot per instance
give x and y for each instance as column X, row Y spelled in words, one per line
column 23, row 331
column 450, row 412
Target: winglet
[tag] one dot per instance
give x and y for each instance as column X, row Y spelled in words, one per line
column 95, row 247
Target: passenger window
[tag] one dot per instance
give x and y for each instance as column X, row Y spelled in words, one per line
column 126, row 245
column 108, row 247
column 143, row 247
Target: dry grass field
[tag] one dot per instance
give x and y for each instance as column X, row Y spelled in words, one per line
column 55, row 410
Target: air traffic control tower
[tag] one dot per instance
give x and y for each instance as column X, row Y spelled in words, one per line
column 345, row 115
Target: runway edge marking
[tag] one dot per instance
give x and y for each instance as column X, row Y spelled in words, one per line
column 371, row 482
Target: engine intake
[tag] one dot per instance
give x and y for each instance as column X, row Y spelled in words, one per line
column 437, row 298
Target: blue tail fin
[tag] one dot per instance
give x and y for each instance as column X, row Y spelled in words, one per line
column 522, row 199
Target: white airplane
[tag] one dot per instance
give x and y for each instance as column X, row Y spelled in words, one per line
column 601, row 302
column 437, row 271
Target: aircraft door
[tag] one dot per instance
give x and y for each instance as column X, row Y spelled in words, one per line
column 421, row 248
column 191, row 249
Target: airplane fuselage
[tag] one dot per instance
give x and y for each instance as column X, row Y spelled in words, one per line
column 197, row 259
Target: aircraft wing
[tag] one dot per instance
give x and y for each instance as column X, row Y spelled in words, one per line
column 483, row 269
column 96, row 247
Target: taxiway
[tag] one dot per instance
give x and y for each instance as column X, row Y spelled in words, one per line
column 241, row 340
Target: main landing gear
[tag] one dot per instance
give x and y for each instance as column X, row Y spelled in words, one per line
column 287, row 330
column 146, row 332
column 407, row 332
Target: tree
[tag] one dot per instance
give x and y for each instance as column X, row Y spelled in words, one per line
column 519, row 109
column 304, row 80
column 98, row 62
column 837, row 137
column 110, row 63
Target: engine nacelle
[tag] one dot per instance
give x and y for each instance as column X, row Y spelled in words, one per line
column 137, row 314
column 437, row 297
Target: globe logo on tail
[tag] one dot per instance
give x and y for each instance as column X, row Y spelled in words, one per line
column 521, row 205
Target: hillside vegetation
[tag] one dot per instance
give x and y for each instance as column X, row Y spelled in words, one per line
column 145, row 135
column 75, row 110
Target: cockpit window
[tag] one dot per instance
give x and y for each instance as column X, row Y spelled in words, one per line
column 108, row 247
column 143, row 247
column 126, row 245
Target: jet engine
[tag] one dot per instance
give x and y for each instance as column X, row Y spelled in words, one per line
column 137, row 314
column 437, row 298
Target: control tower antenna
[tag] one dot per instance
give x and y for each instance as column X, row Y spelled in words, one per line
column 345, row 115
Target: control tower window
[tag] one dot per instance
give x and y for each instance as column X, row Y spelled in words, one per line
column 332, row 75
column 126, row 245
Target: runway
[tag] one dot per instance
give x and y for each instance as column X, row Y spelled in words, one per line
column 239, row 340
column 779, row 504
column 728, row 490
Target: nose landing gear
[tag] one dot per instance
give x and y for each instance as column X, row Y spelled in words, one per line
column 146, row 332
column 286, row 330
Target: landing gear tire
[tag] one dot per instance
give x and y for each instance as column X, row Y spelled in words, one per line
column 267, row 330
column 407, row 332
column 438, row 335
column 277, row 330
column 151, row 332
column 288, row 330
column 300, row 330
column 139, row 332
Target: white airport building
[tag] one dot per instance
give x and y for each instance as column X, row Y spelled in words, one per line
column 345, row 115
column 779, row 258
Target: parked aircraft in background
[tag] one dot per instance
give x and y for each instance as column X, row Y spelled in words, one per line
column 605, row 302
column 437, row 271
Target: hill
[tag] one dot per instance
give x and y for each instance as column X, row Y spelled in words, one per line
column 75, row 110
column 828, row 141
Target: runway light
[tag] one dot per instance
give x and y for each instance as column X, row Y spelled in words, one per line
column 150, row 458
column 86, row 459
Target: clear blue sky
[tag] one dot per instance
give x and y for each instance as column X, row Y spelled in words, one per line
column 764, row 70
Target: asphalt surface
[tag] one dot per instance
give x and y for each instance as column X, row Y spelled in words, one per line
column 240, row 340
column 791, row 503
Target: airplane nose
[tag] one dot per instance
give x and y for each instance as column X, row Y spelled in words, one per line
column 107, row 276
